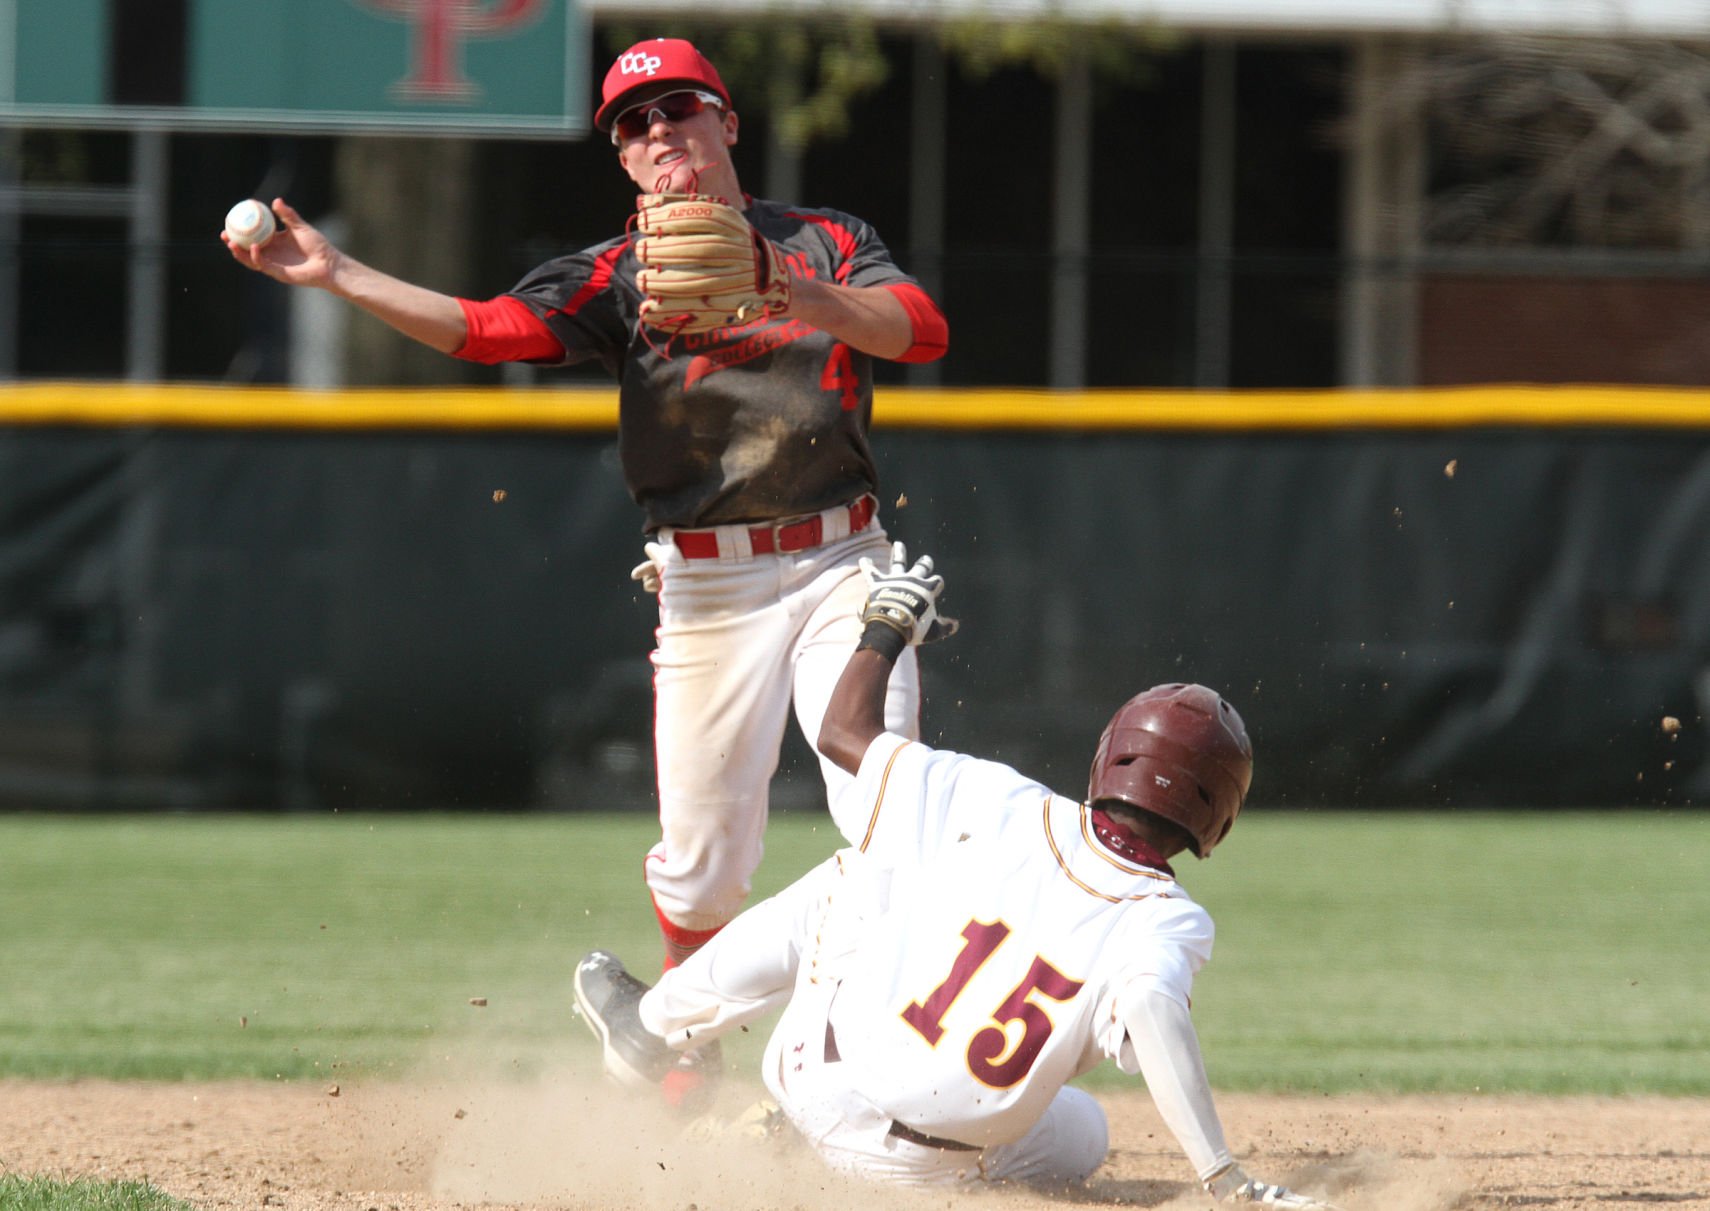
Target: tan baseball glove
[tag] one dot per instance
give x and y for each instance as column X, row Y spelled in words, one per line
column 703, row 266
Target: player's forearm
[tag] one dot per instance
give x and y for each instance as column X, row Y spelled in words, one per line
column 868, row 318
column 425, row 315
column 1168, row 1050
column 856, row 712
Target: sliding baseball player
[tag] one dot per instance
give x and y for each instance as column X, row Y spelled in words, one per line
column 984, row 942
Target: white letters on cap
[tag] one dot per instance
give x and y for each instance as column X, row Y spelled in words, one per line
column 639, row 63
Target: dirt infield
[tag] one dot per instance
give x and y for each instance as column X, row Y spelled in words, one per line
column 433, row 1148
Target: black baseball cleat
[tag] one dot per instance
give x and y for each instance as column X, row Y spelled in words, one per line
column 609, row 998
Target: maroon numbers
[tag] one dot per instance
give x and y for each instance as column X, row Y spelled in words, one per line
column 991, row 1058
column 986, row 1059
column 928, row 1016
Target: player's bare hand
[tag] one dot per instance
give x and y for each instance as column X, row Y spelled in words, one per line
column 905, row 598
column 1234, row 1186
column 298, row 254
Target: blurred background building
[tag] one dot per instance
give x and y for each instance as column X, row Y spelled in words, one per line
column 1211, row 197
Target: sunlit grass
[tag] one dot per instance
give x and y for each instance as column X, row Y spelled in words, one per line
column 1543, row 952
column 49, row 1194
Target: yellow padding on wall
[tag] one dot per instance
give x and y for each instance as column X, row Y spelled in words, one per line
column 493, row 408
column 1442, row 408
column 181, row 406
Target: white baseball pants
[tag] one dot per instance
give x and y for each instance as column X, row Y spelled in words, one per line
column 739, row 638
column 751, row 970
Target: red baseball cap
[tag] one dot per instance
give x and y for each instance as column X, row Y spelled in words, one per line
column 656, row 61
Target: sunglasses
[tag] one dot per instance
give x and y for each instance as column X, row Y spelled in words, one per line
column 672, row 107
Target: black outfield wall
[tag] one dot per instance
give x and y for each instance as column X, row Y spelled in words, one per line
column 199, row 617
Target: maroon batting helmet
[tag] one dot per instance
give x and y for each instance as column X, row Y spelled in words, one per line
column 1180, row 752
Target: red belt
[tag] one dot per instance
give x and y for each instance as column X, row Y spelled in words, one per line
column 778, row 538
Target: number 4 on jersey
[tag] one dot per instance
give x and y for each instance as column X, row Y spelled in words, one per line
column 839, row 375
column 986, row 1059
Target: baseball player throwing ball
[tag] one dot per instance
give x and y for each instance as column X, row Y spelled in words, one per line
column 980, row 944
column 742, row 335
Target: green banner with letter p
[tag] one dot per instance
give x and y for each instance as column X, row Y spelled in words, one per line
column 471, row 67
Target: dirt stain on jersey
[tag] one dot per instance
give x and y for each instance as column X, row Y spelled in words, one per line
column 763, row 447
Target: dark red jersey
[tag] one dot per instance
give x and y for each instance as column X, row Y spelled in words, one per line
column 742, row 424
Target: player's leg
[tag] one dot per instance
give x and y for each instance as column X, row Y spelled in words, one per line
column 1064, row 1148
column 744, row 973
column 721, row 702
column 837, row 594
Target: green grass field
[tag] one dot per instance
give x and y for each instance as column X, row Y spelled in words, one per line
column 54, row 1194
column 1549, row 952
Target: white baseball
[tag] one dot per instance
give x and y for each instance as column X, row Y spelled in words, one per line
column 249, row 223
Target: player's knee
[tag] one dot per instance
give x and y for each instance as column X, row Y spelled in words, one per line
column 701, row 870
column 1082, row 1134
column 702, row 898
column 1065, row 1147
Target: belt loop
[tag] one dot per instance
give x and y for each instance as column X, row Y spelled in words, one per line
column 862, row 512
column 851, row 518
column 734, row 542
column 836, row 524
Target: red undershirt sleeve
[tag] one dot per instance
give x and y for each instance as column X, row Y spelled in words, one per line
column 931, row 330
column 505, row 330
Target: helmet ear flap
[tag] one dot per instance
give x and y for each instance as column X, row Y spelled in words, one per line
column 1180, row 752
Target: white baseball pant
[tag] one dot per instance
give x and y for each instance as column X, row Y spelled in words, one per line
column 739, row 638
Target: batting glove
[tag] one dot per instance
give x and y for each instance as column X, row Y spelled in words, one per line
column 1233, row 1185
column 903, row 600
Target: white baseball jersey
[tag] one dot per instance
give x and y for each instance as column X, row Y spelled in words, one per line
column 992, row 946
column 945, row 977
